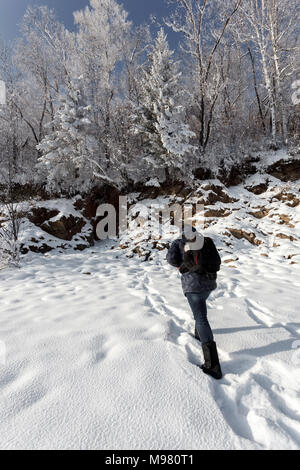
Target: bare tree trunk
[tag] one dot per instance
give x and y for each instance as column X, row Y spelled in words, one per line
column 204, row 53
column 273, row 27
column 256, row 90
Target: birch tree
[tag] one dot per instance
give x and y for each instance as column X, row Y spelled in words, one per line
column 272, row 29
column 41, row 56
column 284, row 29
column 100, row 39
column 203, row 24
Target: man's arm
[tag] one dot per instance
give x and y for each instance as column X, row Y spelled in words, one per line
column 214, row 254
column 174, row 256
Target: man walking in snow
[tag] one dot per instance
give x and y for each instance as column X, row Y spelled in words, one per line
column 198, row 261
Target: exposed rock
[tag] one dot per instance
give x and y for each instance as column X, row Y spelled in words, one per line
column 217, row 213
column 286, row 170
column 160, row 246
column 142, row 253
column 284, row 219
column 124, row 246
column 259, row 188
column 240, row 234
column 216, row 194
column 203, row 174
column 275, row 245
column 290, row 199
column 283, row 236
column 81, row 247
column 260, row 214
column 292, row 256
column 44, row 248
column 178, row 189
column 39, row 215
column 227, row 261
column 64, row 228
column 68, row 228
column 237, row 174
column 88, row 206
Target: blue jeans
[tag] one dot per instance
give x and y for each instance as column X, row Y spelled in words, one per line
column 197, row 303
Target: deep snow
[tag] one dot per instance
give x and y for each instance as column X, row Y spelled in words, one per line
column 100, row 355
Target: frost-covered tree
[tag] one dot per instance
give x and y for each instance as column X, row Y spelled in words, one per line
column 102, row 31
column 272, row 29
column 42, row 54
column 160, row 116
column 17, row 146
column 203, row 25
column 67, row 150
column 239, row 62
column 33, row 68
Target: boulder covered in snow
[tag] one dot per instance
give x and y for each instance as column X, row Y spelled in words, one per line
column 261, row 214
column 286, row 170
column 55, row 225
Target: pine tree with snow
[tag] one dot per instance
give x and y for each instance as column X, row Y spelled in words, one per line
column 159, row 120
column 66, row 150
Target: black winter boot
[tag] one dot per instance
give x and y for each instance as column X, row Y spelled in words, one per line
column 196, row 334
column 211, row 364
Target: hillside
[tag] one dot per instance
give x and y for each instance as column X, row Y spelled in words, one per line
column 99, row 339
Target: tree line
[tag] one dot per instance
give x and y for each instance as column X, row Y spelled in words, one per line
column 111, row 102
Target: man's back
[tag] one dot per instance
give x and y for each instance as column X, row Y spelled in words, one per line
column 196, row 281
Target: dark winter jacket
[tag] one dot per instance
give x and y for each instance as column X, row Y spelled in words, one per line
column 191, row 281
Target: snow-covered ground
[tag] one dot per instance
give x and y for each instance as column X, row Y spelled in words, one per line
column 100, row 355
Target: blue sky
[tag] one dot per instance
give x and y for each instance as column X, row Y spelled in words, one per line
column 11, row 12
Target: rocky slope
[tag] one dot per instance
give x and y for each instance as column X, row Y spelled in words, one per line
column 263, row 212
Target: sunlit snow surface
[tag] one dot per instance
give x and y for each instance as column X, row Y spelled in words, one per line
column 100, row 355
